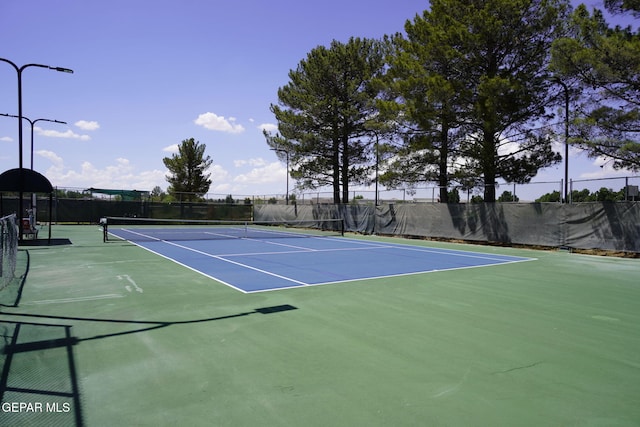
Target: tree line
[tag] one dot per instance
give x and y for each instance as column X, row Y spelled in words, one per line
column 470, row 93
column 465, row 96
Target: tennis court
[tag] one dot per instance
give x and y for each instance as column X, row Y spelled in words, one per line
column 104, row 334
column 264, row 258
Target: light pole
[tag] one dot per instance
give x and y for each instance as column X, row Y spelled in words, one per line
column 286, row 197
column 566, row 138
column 19, row 70
column 33, row 122
column 377, row 162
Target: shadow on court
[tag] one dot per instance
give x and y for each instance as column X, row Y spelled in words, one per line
column 153, row 324
column 45, row 242
column 11, row 294
column 39, row 380
column 39, row 384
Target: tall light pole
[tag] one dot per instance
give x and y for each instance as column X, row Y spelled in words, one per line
column 19, row 70
column 33, row 122
column 566, row 137
column 377, row 162
column 286, row 197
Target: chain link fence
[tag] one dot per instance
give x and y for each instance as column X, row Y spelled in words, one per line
column 74, row 205
column 579, row 190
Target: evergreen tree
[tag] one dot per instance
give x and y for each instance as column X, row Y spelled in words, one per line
column 187, row 171
column 472, row 76
column 324, row 115
column 425, row 91
column 605, row 63
column 157, row 193
column 507, row 52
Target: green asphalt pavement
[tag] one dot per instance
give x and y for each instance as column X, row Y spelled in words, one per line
column 109, row 334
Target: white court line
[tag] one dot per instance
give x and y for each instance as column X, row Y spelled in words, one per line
column 237, row 263
column 303, row 248
column 498, row 261
column 368, row 246
column 371, row 246
column 452, row 252
column 77, row 299
column 392, row 275
column 478, row 255
column 139, row 234
column 299, row 252
column 189, row 267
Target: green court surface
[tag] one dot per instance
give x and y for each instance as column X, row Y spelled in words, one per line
column 109, row 334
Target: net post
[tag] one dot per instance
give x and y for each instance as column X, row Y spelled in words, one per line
column 342, row 226
column 103, row 222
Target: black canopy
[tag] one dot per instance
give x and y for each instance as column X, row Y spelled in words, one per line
column 32, row 181
column 26, row 181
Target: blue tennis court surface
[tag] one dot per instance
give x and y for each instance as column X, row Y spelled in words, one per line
column 256, row 265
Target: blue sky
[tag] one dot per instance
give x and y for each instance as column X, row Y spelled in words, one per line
column 148, row 75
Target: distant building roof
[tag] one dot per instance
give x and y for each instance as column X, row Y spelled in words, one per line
column 125, row 194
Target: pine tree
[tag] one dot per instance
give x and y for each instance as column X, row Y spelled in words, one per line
column 188, row 171
column 480, row 68
column 604, row 63
column 324, row 112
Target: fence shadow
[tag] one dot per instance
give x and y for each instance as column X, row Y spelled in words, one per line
column 10, row 295
column 39, row 383
column 39, row 380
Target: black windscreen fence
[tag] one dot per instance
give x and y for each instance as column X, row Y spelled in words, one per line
column 90, row 210
column 612, row 226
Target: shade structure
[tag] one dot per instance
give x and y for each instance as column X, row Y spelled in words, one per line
column 27, row 181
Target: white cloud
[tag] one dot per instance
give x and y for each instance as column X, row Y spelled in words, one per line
column 269, row 127
column 66, row 134
column 257, row 175
column 173, row 148
column 269, row 173
column 212, row 121
column 120, row 175
column 51, row 156
column 218, row 173
column 507, row 147
column 220, row 188
column 605, row 170
column 6, row 139
column 558, row 145
column 87, row 125
column 251, row 162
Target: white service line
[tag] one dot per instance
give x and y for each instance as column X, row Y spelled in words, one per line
column 452, row 252
column 238, row 263
column 303, row 248
column 300, row 251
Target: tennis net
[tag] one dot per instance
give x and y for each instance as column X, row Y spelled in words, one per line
column 152, row 229
column 8, row 249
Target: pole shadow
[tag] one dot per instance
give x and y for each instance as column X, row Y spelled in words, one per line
column 39, row 380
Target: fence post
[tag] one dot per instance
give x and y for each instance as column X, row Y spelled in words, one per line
column 626, row 188
column 570, row 191
column 561, row 200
